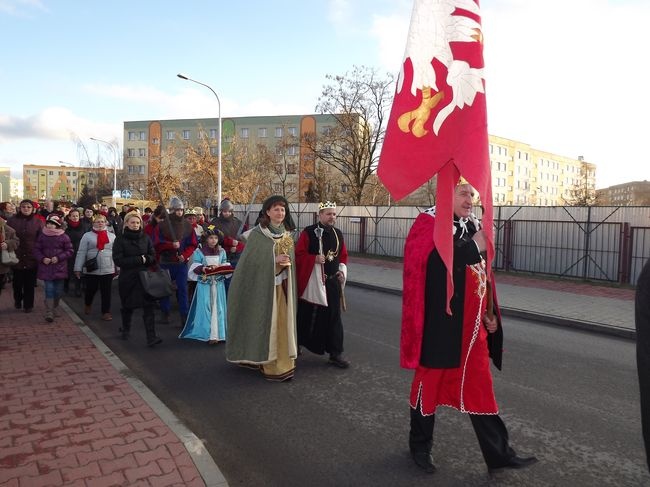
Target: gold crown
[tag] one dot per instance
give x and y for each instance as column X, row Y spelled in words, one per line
column 327, row 204
column 462, row 181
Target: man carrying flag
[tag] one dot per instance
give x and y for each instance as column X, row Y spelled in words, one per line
column 449, row 329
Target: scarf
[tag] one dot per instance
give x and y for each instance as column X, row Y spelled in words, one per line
column 102, row 238
column 210, row 250
column 131, row 234
column 52, row 232
column 72, row 224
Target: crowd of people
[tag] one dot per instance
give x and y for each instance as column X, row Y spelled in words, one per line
column 294, row 283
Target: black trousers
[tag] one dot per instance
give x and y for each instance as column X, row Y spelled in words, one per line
column 490, row 431
column 23, row 283
column 103, row 283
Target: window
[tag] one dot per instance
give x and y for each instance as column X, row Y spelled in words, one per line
column 143, row 135
column 261, row 133
column 291, row 169
column 141, row 169
column 293, row 131
column 51, row 173
column 292, row 150
column 170, row 135
column 243, row 133
column 213, row 133
column 278, row 132
column 278, row 150
column 291, row 187
column 155, row 141
column 142, row 152
column 130, row 152
column 327, row 131
column 214, row 151
column 186, row 135
column 277, row 187
column 201, row 134
column 345, row 188
column 278, row 169
column 131, row 135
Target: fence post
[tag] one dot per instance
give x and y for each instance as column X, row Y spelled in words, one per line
column 507, row 245
column 585, row 265
column 362, row 235
column 625, row 259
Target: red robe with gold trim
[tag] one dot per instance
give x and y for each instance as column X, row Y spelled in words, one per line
column 451, row 356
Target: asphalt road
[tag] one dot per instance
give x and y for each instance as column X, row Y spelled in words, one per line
column 569, row 397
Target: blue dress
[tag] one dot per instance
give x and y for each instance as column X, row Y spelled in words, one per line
column 206, row 319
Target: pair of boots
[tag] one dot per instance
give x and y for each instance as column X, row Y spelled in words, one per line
column 149, row 326
column 50, row 309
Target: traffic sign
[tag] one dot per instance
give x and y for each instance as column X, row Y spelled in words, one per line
column 126, row 193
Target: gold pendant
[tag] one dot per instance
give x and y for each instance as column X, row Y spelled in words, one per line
column 330, row 255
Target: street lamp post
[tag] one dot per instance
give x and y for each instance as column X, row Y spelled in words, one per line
column 182, row 76
column 114, row 167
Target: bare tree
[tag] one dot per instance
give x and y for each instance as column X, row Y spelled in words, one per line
column 245, row 172
column 359, row 103
column 582, row 193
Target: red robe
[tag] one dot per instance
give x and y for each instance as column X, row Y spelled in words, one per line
column 467, row 387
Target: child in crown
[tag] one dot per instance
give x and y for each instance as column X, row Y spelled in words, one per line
column 206, row 320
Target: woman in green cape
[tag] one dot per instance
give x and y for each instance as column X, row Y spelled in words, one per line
column 262, row 297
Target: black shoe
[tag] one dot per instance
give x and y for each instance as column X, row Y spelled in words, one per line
column 424, row 460
column 154, row 341
column 514, row 462
column 124, row 334
column 339, row 361
column 28, row 310
column 18, row 305
column 164, row 319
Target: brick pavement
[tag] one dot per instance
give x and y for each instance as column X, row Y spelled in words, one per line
column 68, row 417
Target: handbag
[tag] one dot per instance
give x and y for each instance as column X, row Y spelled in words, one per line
column 8, row 257
column 157, row 283
column 91, row 264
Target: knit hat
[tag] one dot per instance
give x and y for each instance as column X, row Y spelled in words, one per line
column 190, row 212
column 55, row 219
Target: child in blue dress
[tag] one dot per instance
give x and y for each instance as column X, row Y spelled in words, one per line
column 206, row 320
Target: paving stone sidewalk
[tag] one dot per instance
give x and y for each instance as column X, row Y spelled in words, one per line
column 69, row 417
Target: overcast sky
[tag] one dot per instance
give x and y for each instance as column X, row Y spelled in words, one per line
column 566, row 76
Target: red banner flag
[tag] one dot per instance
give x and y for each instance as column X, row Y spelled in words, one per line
column 438, row 122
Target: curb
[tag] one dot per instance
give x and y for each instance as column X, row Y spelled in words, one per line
column 204, row 463
column 601, row 328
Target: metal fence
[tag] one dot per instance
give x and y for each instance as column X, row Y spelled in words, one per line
column 608, row 244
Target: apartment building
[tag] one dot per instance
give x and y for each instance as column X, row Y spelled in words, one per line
column 635, row 193
column 5, row 184
column 147, row 142
column 59, row 182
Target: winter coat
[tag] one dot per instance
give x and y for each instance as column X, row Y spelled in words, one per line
column 128, row 250
column 27, row 229
column 11, row 240
column 75, row 235
column 58, row 246
column 88, row 250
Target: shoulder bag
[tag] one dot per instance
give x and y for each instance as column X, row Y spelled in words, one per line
column 156, row 283
column 7, row 257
